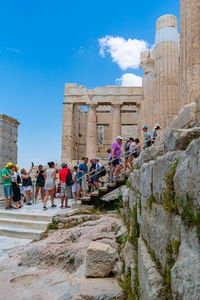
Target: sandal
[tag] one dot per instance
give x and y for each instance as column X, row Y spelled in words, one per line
column 53, row 205
column 67, row 206
column 61, row 206
column 45, row 208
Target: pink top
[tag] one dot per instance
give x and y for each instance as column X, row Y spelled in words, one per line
column 117, row 148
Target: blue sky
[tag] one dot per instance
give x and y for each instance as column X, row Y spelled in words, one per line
column 44, row 44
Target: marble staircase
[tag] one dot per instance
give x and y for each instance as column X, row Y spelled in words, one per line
column 29, row 226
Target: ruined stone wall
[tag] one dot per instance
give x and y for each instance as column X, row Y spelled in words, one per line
column 8, row 141
column 161, row 208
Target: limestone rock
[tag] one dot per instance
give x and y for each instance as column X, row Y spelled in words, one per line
column 151, row 282
column 112, row 195
column 60, row 225
column 129, row 255
column 54, row 268
column 161, row 168
column 159, row 228
column 179, row 139
column 186, row 118
column 186, row 271
column 187, row 177
column 100, row 260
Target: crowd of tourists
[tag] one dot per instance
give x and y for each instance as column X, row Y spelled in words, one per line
column 85, row 177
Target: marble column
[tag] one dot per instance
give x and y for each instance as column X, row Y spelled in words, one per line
column 116, row 121
column 167, row 86
column 189, row 50
column 91, row 142
column 67, row 133
column 148, row 85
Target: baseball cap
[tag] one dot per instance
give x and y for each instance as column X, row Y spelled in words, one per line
column 9, row 164
column 145, row 127
column 119, row 137
column 63, row 165
column 97, row 158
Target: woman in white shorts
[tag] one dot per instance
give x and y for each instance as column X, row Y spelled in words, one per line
column 76, row 185
column 27, row 183
column 50, row 177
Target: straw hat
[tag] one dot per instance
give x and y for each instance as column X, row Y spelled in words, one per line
column 9, row 164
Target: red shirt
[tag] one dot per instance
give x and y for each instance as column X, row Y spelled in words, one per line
column 63, row 173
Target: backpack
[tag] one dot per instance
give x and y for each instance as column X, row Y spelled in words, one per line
column 103, row 171
column 69, row 180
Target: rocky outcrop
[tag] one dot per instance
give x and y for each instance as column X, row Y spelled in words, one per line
column 54, row 268
column 151, row 282
column 162, row 214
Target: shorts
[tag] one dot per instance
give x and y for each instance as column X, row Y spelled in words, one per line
column 75, row 187
column 97, row 177
column 65, row 190
column 28, row 188
column 40, row 184
column 115, row 162
column 8, row 191
column 136, row 154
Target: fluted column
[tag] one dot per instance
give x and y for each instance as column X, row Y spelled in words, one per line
column 91, row 142
column 167, row 87
column 190, row 50
column 116, row 121
column 67, row 132
column 148, row 85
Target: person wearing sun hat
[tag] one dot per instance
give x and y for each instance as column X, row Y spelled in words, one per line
column 154, row 133
column 6, row 174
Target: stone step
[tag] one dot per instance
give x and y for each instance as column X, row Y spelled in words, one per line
column 95, row 193
column 103, row 189
column 81, row 206
column 27, row 233
column 41, row 225
column 26, row 216
column 85, row 198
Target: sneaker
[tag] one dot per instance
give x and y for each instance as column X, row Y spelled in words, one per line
column 8, row 208
column 53, row 205
column 45, row 208
column 114, row 177
column 29, row 203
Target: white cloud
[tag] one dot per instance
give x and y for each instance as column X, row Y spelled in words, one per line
column 13, row 49
column 126, row 53
column 129, row 79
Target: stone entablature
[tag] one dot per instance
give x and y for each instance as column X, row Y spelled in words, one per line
column 112, row 111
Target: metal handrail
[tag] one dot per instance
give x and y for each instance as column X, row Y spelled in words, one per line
column 110, row 161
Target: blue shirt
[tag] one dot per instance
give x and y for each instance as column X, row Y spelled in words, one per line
column 83, row 168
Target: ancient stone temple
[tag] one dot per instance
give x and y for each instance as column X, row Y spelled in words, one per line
column 161, row 86
column 110, row 111
column 8, row 141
